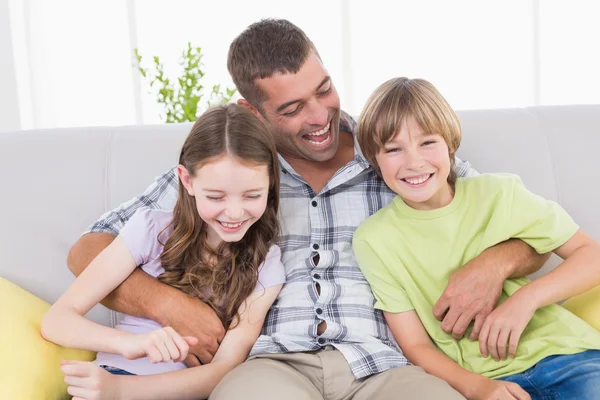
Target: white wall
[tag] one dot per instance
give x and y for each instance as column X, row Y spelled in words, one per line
column 10, row 118
column 74, row 62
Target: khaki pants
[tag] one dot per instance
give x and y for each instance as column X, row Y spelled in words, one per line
column 325, row 375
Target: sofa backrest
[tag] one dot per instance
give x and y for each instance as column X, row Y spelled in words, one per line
column 56, row 182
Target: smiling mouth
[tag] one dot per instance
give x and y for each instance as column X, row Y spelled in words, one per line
column 417, row 180
column 231, row 226
column 319, row 138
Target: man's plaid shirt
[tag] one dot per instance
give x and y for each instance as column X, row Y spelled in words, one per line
column 314, row 224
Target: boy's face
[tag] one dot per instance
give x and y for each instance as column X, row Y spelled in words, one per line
column 416, row 165
column 304, row 111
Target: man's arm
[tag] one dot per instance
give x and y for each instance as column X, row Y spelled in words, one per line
column 142, row 295
column 474, row 290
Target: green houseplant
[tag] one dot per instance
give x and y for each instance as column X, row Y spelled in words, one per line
column 182, row 98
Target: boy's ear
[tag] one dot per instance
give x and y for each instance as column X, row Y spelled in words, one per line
column 186, row 179
column 244, row 103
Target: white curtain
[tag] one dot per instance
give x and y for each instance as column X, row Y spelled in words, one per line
column 74, row 65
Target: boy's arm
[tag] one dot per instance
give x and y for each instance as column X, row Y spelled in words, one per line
column 420, row 350
column 140, row 294
column 199, row 382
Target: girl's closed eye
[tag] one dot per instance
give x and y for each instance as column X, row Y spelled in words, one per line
column 254, row 196
column 214, row 198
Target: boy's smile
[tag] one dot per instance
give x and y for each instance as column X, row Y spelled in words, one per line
column 416, row 165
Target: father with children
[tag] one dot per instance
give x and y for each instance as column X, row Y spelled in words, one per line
column 428, row 299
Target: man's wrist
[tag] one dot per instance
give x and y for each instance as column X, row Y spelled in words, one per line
column 162, row 310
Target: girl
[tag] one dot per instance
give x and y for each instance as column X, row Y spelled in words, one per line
column 216, row 245
column 438, row 223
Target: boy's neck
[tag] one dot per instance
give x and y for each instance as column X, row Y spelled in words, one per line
column 442, row 198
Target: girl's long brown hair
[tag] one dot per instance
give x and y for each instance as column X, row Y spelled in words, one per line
column 226, row 276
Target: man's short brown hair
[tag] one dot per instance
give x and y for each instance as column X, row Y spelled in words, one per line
column 263, row 49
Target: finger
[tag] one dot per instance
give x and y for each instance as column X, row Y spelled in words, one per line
column 172, row 349
column 483, row 337
column 190, row 340
column 164, row 353
column 81, row 370
column 518, row 392
column 515, row 336
column 192, row 361
column 72, row 362
column 492, row 342
column 502, row 343
column 182, row 347
column 479, row 320
column 154, row 355
column 76, row 381
column 450, row 320
column 441, row 307
column 461, row 326
column 84, row 393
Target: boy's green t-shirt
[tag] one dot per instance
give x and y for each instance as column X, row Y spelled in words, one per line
column 408, row 256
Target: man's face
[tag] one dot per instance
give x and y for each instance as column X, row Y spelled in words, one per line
column 303, row 110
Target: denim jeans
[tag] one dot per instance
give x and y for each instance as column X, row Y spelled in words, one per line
column 575, row 376
column 115, row 371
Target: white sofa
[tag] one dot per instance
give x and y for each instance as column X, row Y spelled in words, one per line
column 57, row 182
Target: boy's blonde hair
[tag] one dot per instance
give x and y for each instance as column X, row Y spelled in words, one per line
column 398, row 99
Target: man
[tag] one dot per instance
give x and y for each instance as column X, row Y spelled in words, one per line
column 322, row 338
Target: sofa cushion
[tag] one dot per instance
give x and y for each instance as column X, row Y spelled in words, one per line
column 586, row 306
column 30, row 365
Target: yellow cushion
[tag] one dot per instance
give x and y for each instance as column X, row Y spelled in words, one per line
column 29, row 365
column 586, row 306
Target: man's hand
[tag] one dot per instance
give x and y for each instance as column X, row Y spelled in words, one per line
column 192, row 317
column 472, row 293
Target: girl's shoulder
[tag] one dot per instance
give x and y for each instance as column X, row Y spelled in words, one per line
column 271, row 272
column 149, row 220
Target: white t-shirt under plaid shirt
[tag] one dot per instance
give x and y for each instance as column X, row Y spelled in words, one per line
column 314, row 224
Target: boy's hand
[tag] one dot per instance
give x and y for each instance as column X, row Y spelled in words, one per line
column 87, row 381
column 502, row 329
column 161, row 345
column 499, row 390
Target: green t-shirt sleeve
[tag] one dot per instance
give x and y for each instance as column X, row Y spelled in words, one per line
column 389, row 294
column 541, row 223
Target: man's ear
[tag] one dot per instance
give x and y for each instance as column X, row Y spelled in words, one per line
column 186, row 179
column 244, row 103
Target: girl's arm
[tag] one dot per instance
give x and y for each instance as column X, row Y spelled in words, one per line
column 198, row 382
column 420, row 350
column 65, row 323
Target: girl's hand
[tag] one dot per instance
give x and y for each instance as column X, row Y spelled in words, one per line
column 502, row 329
column 87, row 381
column 161, row 345
column 499, row 390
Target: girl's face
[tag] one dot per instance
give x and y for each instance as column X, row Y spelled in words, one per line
column 230, row 196
column 416, row 165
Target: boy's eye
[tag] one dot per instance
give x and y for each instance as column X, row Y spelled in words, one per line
column 391, row 150
column 429, row 142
